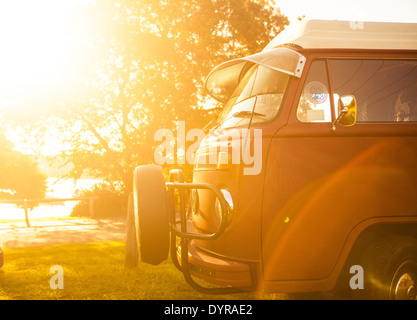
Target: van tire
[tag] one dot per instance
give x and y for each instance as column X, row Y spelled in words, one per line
column 132, row 252
column 151, row 214
column 385, row 262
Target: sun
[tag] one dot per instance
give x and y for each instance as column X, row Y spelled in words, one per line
column 37, row 43
column 42, row 58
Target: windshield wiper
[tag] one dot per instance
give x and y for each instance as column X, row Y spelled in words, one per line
column 239, row 114
column 246, row 113
column 211, row 125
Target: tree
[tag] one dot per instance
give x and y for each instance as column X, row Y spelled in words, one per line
column 149, row 62
column 20, row 177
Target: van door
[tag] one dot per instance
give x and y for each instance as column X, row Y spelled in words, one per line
column 319, row 184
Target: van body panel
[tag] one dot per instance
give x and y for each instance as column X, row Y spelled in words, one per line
column 317, row 200
column 311, row 34
column 323, row 184
column 328, row 283
column 241, row 239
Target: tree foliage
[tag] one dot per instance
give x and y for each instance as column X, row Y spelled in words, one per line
column 147, row 61
column 20, row 177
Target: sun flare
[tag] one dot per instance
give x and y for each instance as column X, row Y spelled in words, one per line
column 36, row 44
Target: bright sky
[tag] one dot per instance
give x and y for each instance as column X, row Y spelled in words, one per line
column 33, row 36
column 36, row 36
column 352, row 10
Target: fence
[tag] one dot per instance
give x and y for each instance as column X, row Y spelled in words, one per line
column 25, row 203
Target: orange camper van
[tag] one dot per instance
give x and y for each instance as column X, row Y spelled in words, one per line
column 308, row 177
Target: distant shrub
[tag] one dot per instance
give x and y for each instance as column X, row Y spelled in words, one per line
column 111, row 202
column 20, row 177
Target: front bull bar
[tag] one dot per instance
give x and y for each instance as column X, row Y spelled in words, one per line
column 176, row 181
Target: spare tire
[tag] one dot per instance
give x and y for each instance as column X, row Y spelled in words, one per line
column 151, row 214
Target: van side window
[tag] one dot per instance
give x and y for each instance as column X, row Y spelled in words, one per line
column 385, row 90
column 314, row 104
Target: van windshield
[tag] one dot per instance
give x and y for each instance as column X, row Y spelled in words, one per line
column 257, row 98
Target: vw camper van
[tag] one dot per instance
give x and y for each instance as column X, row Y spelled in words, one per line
column 307, row 181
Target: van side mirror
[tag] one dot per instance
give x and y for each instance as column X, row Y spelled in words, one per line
column 347, row 110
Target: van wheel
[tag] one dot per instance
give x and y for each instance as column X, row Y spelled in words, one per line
column 390, row 269
column 151, row 214
column 132, row 252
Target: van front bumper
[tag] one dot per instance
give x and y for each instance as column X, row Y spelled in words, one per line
column 217, row 269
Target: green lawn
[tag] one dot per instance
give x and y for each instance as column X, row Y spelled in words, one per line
column 95, row 271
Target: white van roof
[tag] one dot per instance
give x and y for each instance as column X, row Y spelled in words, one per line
column 348, row 35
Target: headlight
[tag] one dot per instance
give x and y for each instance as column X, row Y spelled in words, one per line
column 229, row 206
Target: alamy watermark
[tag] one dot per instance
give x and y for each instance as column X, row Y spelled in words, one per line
column 57, row 280
column 237, row 146
column 357, row 13
column 356, row 281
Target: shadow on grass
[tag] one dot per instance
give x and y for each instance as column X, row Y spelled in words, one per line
column 96, row 271
column 61, row 232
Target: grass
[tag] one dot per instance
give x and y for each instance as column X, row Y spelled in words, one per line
column 95, row 271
